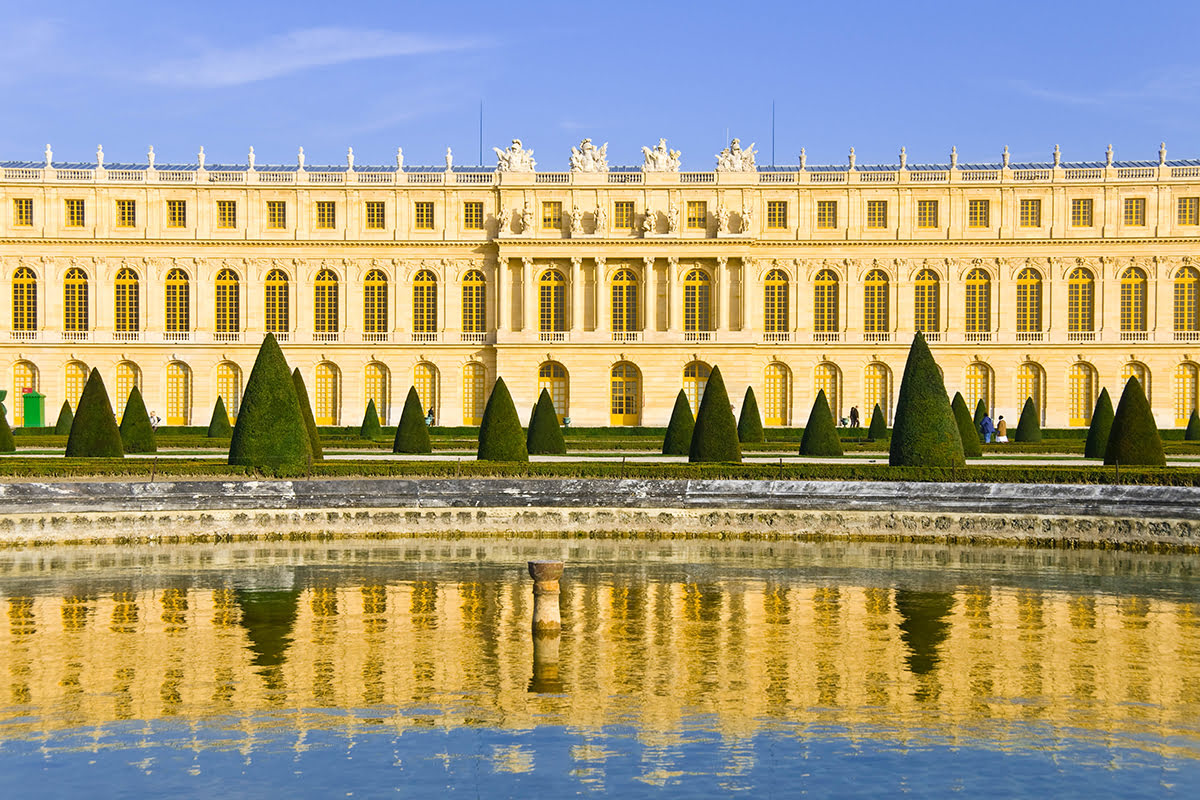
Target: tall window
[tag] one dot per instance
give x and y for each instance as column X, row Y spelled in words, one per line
column 552, row 215
column 329, row 394
column 552, row 301
column 1029, row 301
column 1134, row 211
column 877, row 390
column 425, row 302
column 775, row 302
column 927, row 214
column 552, row 377
column 473, row 215
column 425, row 379
column 125, row 301
column 126, row 213
column 423, row 215
column 474, row 375
column 374, row 215
column 228, row 300
column 25, row 378
column 1189, row 211
column 697, row 214
column 625, row 384
column 1187, row 376
column 979, row 385
column 75, row 300
column 178, row 302
column 827, row 216
column 22, row 212
column 1081, row 393
column 1136, row 369
column 695, row 379
column 1082, row 213
column 825, row 302
column 875, row 302
column 325, row 303
column 697, row 301
column 623, row 214
column 24, row 301
column 73, row 213
column 276, row 214
column 376, row 380
column 979, row 214
column 177, row 213
column 1133, row 300
column 326, row 215
column 1187, row 315
column 226, row 213
column 128, row 376
column 777, row 214
column 877, row 216
column 624, row 301
column 375, row 303
column 229, row 388
column 1081, row 301
column 179, row 393
column 827, row 378
column 74, row 379
column 777, row 379
column 1031, row 213
column 1032, row 386
column 926, row 301
column 474, row 294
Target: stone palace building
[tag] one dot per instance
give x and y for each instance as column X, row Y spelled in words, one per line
column 611, row 286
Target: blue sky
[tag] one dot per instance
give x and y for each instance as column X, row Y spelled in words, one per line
column 377, row 75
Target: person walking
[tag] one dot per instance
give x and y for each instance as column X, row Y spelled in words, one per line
column 1001, row 430
column 853, row 416
column 987, row 428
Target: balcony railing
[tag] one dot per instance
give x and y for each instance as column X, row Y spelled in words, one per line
column 472, row 337
column 826, row 338
column 877, row 337
column 556, row 337
column 626, row 337
column 699, row 336
column 1030, row 336
column 978, row 336
column 776, row 337
column 177, row 336
column 1081, row 336
column 424, row 337
column 233, row 337
column 127, row 336
column 333, row 336
column 375, row 337
column 1187, row 336
column 1135, row 336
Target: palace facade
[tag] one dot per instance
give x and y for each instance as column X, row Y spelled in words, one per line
column 612, row 287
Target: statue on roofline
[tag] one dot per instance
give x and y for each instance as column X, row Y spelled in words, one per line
column 515, row 159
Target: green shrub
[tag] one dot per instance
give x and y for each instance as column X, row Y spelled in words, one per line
column 7, row 445
column 1192, row 433
column 1133, row 440
column 65, row 417
column 270, row 430
column 967, row 431
column 370, row 425
column 544, row 437
column 94, row 432
column 218, row 425
column 306, row 412
column 749, row 426
column 820, row 433
column 1029, row 429
column 981, row 411
column 412, row 434
column 678, row 438
column 878, row 428
column 715, row 436
column 1102, row 420
column 925, row 433
column 136, row 434
column 500, row 434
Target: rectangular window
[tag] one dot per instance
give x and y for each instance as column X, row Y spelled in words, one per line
column 126, row 213
column 551, row 215
column 877, row 213
column 423, row 215
column 697, row 214
column 227, row 213
column 1135, row 211
column 326, row 215
column 375, row 215
column 23, row 212
column 927, row 213
column 827, row 214
column 74, row 212
column 1081, row 213
column 623, row 214
column 979, row 214
column 1189, row 211
column 177, row 213
column 776, row 214
column 473, row 215
column 1031, row 213
column 276, row 214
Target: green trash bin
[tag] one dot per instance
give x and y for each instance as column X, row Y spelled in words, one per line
column 34, row 404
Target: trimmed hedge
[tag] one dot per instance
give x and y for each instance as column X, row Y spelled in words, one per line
column 1192, row 433
column 270, row 430
column 544, row 436
column 678, row 439
column 500, row 434
column 370, row 428
column 981, row 411
column 218, row 424
column 715, row 436
column 925, row 433
column 1029, row 429
column 878, row 428
column 7, row 445
column 62, row 426
column 412, row 434
column 136, row 434
column 1133, row 439
column 820, row 434
column 306, row 412
column 1102, row 420
column 94, row 432
column 749, row 427
column 967, row 432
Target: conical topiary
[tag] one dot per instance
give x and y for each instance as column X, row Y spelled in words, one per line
column 1102, row 420
column 1029, row 429
column 7, row 444
column 270, row 429
column 370, row 428
column 94, row 432
column 749, row 427
column 715, row 436
column 1134, row 440
column 310, row 422
column 967, row 430
column 218, row 425
column 65, row 417
column 981, row 411
column 500, row 434
column 136, row 434
column 544, row 437
column 820, row 434
column 878, row 427
column 678, row 439
column 412, row 434
column 925, row 433
column 1192, row 433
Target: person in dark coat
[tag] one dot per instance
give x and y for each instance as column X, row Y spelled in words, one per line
column 987, row 428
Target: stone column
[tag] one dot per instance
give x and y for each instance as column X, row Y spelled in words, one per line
column 674, row 311
column 577, row 292
column 651, row 320
column 603, row 298
column 723, row 289
column 503, row 296
column 529, row 320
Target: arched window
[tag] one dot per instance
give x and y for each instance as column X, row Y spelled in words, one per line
column 1081, row 301
column 179, row 393
column 75, row 300
column 329, row 393
column 1031, row 383
column 777, row 379
column 1187, row 315
column 378, row 380
column 552, row 377
column 978, row 301
column 74, row 379
column 25, row 379
column 229, row 387
column 375, row 306
column 695, row 379
column 474, row 375
column 552, row 302
column 827, row 378
column 228, row 301
column 1029, row 301
column 1081, row 393
column 926, row 301
column 125, row 302
column 474, row 303
column 425, row 379
column 1136, row 369
column 325, row 303
column 825, row 302
column 979, row 386
column 277, row 305
column 875, row 302
column 1187, row 376
column 877, row 389
column 1133, row 300
column 775, row 302
column 128, row 376
column 624, row 302
column 24, row 301
column 697, row 301
column 178, row 302
column 626, row 390
column 425, row 319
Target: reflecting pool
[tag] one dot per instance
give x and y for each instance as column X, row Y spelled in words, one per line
column 689, row 668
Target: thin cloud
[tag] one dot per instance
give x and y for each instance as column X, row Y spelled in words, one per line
column 292, row 52
column 1179, row 85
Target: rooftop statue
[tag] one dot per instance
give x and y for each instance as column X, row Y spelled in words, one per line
column 660, row 159
column 589, row 158
column 734, row 159
column 515, row 158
